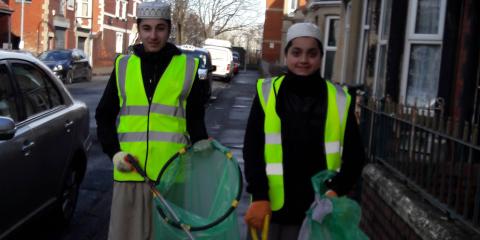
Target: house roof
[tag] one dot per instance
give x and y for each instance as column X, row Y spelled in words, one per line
column 4, row 8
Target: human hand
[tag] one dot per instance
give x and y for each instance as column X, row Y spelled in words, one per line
column 330, row 193
column 256, row 214
column 121, row 163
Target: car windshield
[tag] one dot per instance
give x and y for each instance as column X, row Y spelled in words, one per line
column 54, row 56
column 200, row 55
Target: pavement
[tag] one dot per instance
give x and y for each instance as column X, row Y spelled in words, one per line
column 100, row 71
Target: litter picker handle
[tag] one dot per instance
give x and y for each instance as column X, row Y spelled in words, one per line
column 130, row 159
column 266, row 225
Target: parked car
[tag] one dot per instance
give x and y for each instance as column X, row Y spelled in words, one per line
column 222, row 58
column 44, row 139
column 205, row 67
column 68, row 65
column 236, row 64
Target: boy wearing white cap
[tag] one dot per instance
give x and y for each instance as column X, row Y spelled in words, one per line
column 299, row 125
column 152, row 103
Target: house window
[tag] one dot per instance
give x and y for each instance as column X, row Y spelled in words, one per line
column 117, row 8
column 423, row 46
column 81, row 43
column 330, row 48
column 82, row 8
column 124, row 10
column 59, row 38
column 119, row 42
column 382, row 47
column 362, row 50
column 70, row 4
column 292, row 5
column 134, row 9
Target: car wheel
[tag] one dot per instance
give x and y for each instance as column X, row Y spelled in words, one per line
column 69, row 77
column 67, row 200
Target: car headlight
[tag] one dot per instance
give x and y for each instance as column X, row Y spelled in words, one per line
column 58, row 68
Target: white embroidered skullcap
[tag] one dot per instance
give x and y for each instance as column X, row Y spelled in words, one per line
column 153, row 10
column 303, row 30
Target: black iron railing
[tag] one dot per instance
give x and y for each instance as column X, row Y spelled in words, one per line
column 438, row 157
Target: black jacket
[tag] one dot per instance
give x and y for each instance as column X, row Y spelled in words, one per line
column 301, row 106
column 153, row 65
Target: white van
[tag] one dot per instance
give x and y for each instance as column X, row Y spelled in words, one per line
column 222, row 57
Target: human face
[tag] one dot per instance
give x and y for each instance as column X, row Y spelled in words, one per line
column 304, row 56
column 154, row 34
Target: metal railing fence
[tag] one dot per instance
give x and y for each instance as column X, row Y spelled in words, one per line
column 436, row 156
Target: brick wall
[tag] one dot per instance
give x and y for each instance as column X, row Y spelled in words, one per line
column 272, row 31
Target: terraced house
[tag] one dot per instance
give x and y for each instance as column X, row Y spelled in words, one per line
column 417, row 64
column 102, row 28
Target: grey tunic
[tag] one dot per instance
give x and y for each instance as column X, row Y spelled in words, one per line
column 131, row 212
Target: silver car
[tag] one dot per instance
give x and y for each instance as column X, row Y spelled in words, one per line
column 44, row 139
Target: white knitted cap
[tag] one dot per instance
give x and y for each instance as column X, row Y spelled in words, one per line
column 304, row 30
column 153, row 10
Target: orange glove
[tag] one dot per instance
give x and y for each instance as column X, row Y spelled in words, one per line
column 330, row 193
column 256, row 214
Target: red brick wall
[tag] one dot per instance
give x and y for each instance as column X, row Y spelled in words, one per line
column 31, row 23
column 104, row 53
column 272, row 30
column 274, row 4
column 379, row 221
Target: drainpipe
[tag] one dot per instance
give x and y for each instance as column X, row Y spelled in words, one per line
column 465, row 76
column 21, row 44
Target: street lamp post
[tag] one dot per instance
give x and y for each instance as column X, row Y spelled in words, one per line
column 20, row 45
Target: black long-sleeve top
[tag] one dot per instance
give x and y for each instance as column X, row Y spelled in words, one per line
column 302, row 107
column 153, row 66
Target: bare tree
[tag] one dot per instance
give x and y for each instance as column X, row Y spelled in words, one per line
column 187, row 27
column 220, row 16
column 193, row 30
column 180, row 10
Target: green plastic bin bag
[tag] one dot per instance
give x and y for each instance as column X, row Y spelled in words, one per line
column 331, row 218
column 201, row 187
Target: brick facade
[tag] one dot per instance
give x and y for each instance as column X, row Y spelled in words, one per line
column 95, row 32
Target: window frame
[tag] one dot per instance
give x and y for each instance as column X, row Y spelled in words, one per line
column 119, row 44
column 16, row 97
column 382, row 41
column 124, row 10
column 326, row 47
column 23, row 116
column 292, row 5
column 117, row 8
column 80, row 4
column 412, row 38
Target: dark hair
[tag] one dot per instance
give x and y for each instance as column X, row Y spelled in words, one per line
column 320, row 46
column 169, row 22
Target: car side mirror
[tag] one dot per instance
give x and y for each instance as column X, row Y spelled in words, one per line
column 213, row 68
column 7, row 128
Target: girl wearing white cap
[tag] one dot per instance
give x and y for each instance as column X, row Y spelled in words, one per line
column 151, row 104
column 299, row 125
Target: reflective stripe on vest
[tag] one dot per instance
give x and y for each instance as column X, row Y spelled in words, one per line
column 338, row 104
column 152, row 132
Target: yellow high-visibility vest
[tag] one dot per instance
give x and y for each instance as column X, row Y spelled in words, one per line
column 337, row 111
column 154, row 132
